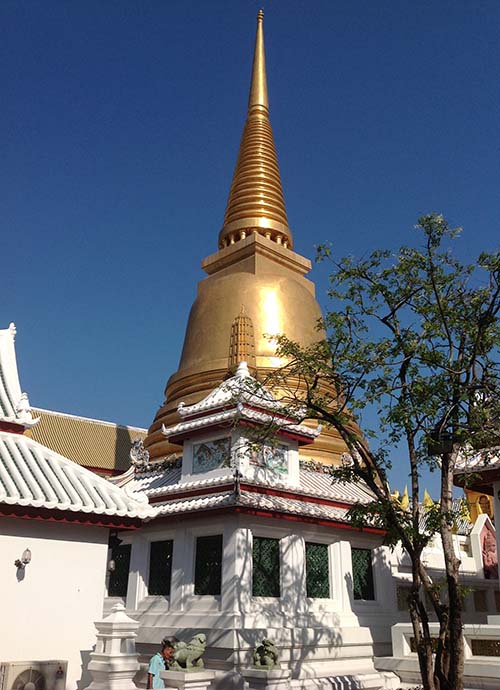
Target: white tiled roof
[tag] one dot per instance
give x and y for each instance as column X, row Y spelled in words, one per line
column 315, row 484
column 195, row 503
column 254, row 501
column 488, row 459
column 33, row 475
column 14, row 405
column 290, row 505
column 239, row 388
column 240, row 412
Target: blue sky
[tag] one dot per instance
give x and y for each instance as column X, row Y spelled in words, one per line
column 120, row 127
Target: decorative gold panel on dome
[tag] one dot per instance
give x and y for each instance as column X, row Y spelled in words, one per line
column 241, row 341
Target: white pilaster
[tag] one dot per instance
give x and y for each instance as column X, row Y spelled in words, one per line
column 229, row 599
column 138, row 573
column 293, row 574
column 242, row 545
column 341, row 569
column 181, row 569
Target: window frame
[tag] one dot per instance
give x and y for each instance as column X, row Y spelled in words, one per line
column 148, row 585
column 327, row 547
column 362, row 600
column 271, row 597
column 196, row 538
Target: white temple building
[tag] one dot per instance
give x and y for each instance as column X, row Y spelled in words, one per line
column 227, row 521
column 55, row 522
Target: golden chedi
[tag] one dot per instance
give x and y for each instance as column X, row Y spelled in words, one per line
column 256, row 285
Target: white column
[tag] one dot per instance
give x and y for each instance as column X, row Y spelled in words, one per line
column 242, row 544
column 293, row 574
column 137, row 578
column 229, row 577
column 180, row 563
column 341, row 569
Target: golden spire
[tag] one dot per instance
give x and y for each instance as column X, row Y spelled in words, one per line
column 256, row 202
column 427, row 502
column 405, row 500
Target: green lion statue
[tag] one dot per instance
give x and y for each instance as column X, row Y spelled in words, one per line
column 265, row 655
column 189, row 656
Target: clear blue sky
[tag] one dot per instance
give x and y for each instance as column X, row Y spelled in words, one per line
column 120, row 125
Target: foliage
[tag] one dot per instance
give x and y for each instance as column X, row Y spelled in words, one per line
column 415, row 337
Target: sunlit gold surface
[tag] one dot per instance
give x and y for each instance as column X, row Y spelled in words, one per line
column 256, row 202
column 254, row 268
column 269, row 281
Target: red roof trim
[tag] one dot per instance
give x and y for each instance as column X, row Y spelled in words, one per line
column 12, row 427
column 268, row 491
column 270, row 514
column 68, row 517
column 480, row 480
column 325, row 522
column 295, row 496
column 191, row 492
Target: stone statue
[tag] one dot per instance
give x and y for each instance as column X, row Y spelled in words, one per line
column 265, row 655
column 189, row 656
column 139, row 456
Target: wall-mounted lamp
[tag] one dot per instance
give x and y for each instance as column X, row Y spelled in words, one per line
column 24, row 560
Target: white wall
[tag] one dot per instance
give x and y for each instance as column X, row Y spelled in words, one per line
column 50, row 612
column 236, row 608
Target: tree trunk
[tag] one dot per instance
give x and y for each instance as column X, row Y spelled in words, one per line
column 421, row 632
column 455, row 645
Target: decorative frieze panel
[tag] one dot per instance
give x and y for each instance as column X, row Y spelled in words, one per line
column 211, row 455
column 485, row 647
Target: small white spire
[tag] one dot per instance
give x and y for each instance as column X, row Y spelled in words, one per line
column 242, row 370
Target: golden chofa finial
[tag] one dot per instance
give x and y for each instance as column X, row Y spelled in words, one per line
column 256, row 202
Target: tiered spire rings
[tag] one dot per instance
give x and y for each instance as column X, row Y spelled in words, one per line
column 256, row 202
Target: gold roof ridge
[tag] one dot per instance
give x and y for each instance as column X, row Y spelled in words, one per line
column 256, row 202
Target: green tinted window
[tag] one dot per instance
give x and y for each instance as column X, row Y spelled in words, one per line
column 118, row 577
column 266, row 567
column 160, row 567
column 317, row 571
column 208, row 566
column 362, row 574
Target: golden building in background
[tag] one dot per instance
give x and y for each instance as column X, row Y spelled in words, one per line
column 256, row 285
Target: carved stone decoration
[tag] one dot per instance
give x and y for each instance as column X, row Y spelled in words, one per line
column 265, row 655
column 489, row 552
column 139, row 456
column 189, row 656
